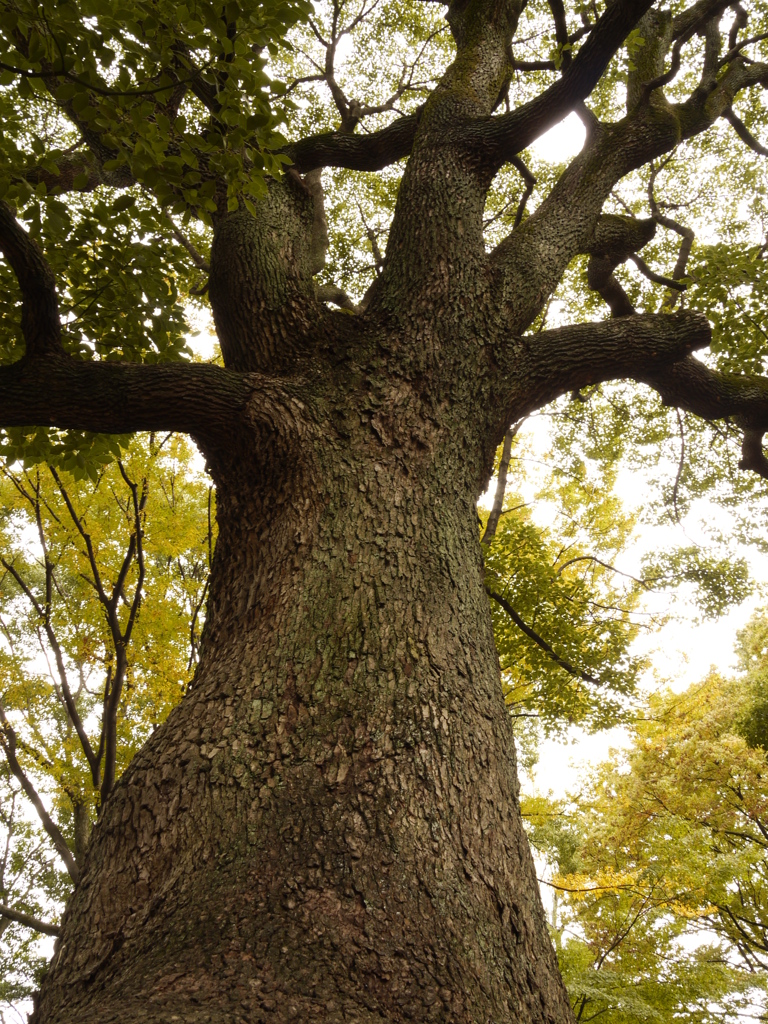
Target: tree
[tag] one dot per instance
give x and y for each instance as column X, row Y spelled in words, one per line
column 660, row 868
column 101, row 596
column 327, row 826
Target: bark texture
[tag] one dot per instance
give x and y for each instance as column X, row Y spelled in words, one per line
column 327, row 828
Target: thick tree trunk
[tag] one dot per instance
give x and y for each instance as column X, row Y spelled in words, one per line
column 327, row 828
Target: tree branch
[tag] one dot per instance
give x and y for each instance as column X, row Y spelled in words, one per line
column 501, row 485
column 530, row 184
column 504, row 136
column 743, row 132
column 565, row 220
column 199, row 260
column 332, row 293
column 644, row 269
column 71, row 167
column 198, row 399
column 752, row 454
column 704, row 106
column 561, row 30
column 8, row 743
column 546, row 365
column 356, row 152
column 40, row 305
column 538, row 640
column 683, row 254
column 687, row 21
column 122, row 638
column 712, row 395
column 28, row 920
column 45, row 618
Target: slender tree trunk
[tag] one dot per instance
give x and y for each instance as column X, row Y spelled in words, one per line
column 327, row 828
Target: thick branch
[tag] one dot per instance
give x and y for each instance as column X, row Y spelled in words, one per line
column 692, row 386
column 712, row 395
column 28, row 921
column 356, row 152
column 744, row 133
column 600, row 278
column 75, row 172
column 687, row 21
column 332, row 293
column 117, row 398
column 752, row 454
column 615, row 240
column 564, row 222
column 703, row 108
column 546, row 365
column 40, row 305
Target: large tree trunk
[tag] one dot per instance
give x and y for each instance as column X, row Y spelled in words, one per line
column 327, row 828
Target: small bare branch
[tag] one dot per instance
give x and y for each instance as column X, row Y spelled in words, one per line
column 680, row 466
column 501, row 484
column 530, row 185
column 43, row 613
column 197, row 258
column 8, row 742
column 743, row 132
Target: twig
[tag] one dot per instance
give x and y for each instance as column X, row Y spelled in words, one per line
column 538, row 640
column 530, row 185
column 681, row 464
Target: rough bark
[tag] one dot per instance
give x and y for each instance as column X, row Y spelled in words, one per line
column 327, row 828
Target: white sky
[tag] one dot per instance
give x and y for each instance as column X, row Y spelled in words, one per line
column 562, row 142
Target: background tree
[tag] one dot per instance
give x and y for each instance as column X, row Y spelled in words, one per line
column 101, row 606
column 660, row 866
column 565, row 612
column 328, row 824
